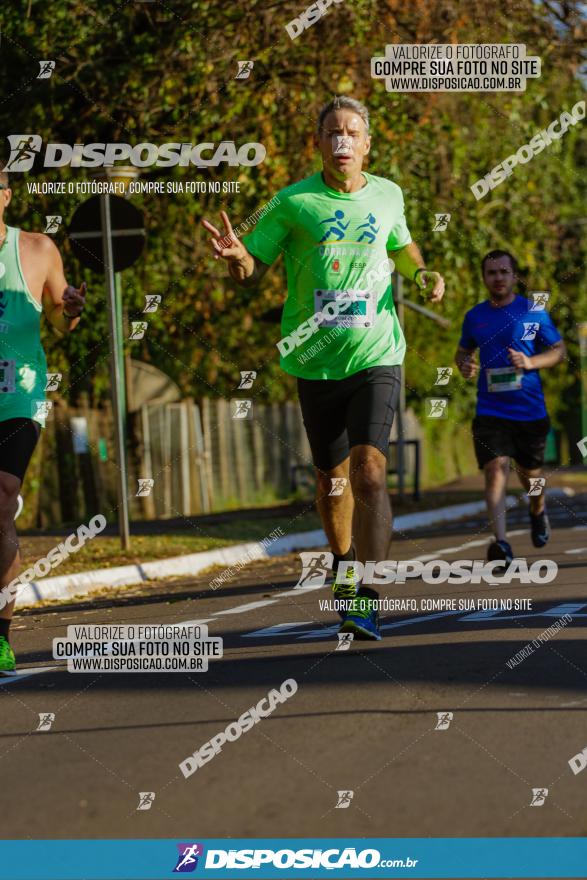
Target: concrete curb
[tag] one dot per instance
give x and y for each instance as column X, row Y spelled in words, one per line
column 70, row 585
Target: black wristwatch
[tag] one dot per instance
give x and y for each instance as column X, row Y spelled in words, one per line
column 69, row 317
column 421, row 269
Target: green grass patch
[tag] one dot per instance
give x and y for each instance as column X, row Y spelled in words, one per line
column 105, row 552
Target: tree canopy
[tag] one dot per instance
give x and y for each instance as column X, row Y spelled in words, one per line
column 158, row 72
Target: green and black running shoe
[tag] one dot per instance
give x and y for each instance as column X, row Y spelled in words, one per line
column 7, row 658
column 363, row 616
column 344, row 590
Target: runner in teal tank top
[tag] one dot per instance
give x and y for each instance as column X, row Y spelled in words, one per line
column 23, row 365
column 31, row 283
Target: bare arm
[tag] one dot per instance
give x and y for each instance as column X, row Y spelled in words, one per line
column 246, row 269
column 549, row 358
column 62, row 303
column 408, row 260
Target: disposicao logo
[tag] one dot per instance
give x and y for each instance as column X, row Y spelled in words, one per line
column 187, row 860
column 24, row 149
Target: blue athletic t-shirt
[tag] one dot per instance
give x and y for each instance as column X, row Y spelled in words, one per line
column 503, row 390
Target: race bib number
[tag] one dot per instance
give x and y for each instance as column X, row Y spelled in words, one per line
column 346, row 308
column 504, row 379
column 7, row 377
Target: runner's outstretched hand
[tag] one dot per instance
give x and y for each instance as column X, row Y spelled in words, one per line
column 226, row 245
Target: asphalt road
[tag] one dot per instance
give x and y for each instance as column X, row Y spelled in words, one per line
column 362, row 720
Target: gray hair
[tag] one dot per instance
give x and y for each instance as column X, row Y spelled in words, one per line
column 342, row 102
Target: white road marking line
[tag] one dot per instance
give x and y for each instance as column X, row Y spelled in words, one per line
column 277, row 630
column 423, row 618
column 324, row 633
column 297, row 590
column 479, row 542
column 578, row 550
column 250, row 606
column 498, row 616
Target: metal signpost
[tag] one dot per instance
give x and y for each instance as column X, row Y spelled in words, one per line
column 107, row 235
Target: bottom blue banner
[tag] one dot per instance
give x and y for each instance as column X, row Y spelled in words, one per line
column 368, row 858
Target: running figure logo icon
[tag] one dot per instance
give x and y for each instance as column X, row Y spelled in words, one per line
column 152, row 301
column 530, row 331
column 145, row 487
column 337, row 228
column 342, row 145
column 444, row 719
column 244, row 69
column 138, row 329
column 146, row 799
column 315, row 567
column 370, row 233
column 537, row 484
column 438, row 407
column 539, row 300
column 344, row 641
column 52, row 223
column 338, row 485
column 243, row 409
column 187, row 861
column 539, row 795
column 52, row 381
column 46, row 719
column 46, row 69
column 344, row 799
column 23, row 151
column 441, row 222
column 443, row 375
column 247, row 379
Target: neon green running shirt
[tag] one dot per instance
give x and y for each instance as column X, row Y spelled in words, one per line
column 338, row 276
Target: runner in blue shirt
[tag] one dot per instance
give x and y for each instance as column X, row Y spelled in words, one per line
column 516, row 338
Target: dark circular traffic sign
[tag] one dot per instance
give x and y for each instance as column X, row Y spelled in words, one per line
column 128, row 233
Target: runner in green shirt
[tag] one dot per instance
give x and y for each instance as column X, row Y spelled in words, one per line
column 336, row 242
column 340, row 335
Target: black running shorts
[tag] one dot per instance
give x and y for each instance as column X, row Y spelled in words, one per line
column 523, row 441
column 341, row 413
column 18, row 438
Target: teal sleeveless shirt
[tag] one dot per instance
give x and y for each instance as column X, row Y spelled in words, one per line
column 23, row 366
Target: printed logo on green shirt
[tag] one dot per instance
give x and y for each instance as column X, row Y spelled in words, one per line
column 337, row 229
